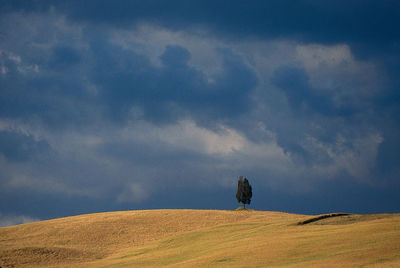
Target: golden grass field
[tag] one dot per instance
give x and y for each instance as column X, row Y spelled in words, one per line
column 203, row 238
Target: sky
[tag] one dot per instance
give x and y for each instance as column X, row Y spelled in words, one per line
column 118, row 105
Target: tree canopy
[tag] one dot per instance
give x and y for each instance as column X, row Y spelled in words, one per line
column 244, row 191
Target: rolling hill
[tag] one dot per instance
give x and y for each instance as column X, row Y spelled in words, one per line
column 203, row 238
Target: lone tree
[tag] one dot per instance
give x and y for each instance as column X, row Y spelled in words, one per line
column 244, row 193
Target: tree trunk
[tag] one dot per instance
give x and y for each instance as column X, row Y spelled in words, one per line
column 244, row 205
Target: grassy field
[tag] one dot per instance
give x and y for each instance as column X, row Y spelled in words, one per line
column 203, row 238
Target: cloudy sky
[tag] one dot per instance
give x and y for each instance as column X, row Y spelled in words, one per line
column 114, row 105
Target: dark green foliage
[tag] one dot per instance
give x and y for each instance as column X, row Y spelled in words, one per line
column 244, row 191
column 248, row 193
column 239, row 193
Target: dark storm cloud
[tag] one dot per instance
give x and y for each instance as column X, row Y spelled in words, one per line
column 387, row 169
column 294, row 83
column 330, row 21
column 173, row 90
column 58, row 95
column 53, row 98
column 19, row 147
column 63, row 57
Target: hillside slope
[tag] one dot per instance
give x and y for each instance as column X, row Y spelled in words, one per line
column 202, row 238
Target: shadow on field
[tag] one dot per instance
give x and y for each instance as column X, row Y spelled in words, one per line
column 321, row 217
column 342, row 218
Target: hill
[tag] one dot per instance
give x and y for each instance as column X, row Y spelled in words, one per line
column 198, row 238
